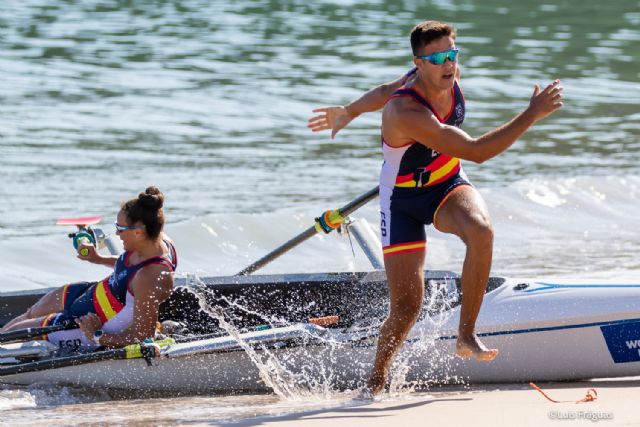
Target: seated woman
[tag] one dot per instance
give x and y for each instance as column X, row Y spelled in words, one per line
column 123, row 308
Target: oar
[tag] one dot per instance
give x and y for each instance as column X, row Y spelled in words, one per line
column 25, row 334
column 311, row 231
column 147, row 351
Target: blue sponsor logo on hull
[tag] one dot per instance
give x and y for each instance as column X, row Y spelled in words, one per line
column 623, row 341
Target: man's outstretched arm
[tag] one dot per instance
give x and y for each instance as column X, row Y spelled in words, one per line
column 337, row 117
column 409, row 124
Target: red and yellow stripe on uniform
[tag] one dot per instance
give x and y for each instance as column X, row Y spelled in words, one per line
column 403, row 248
column 441, row 169
column 104, row 302
column 65, row 290
column 46, row 322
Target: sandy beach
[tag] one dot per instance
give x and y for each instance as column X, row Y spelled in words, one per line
column 483, row 405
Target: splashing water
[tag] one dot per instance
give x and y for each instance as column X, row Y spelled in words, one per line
column 318, row 366
column 442, row 297
column 273, row 371
column 16, row 399
column 45, row 395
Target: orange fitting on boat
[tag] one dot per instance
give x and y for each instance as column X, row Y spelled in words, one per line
column 324, row 321
column 591, row 396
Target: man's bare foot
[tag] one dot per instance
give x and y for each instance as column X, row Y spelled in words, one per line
column 375, row 385
column 365, row 394
column 471, row 346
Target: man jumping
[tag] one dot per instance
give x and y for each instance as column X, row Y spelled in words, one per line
column 422, row 183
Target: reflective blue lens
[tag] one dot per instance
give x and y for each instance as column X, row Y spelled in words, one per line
column 440, row 58
column 127, row 227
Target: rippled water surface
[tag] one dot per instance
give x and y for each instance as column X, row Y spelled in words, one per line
column 209, row 101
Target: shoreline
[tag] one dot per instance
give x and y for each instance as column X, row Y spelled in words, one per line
column 479, row 405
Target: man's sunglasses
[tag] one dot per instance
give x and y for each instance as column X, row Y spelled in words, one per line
column 126, row 227
column 440, row 58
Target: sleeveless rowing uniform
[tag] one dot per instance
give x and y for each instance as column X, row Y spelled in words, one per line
column 111, row 299
column 416, row 180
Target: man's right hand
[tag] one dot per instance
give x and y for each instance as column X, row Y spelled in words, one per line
column 545, row 102
column 334, row 118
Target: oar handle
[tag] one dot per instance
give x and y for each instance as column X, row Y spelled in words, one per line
column 309, row 232
column 28, row 333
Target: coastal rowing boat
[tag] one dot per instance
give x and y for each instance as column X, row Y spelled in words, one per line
column 259, row 336
column 254, row 333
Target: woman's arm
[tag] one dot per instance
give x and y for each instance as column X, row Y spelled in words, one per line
column 151, row 286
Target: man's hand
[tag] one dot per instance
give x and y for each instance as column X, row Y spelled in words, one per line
column 545, row 102
column 334, row 118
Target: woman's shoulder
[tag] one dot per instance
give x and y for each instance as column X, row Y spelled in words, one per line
column 151, row 278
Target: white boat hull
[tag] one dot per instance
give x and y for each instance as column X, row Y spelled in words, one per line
column 544, row 332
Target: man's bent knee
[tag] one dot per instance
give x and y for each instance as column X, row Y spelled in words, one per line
column 478, row 233
column 483, row 234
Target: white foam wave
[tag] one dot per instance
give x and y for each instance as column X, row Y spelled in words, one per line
column 566, row 226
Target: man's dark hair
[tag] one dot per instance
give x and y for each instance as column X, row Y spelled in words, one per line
column 428, row 31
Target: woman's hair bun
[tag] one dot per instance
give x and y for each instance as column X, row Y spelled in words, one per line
column 152, row 198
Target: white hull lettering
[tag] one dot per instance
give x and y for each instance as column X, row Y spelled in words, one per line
column 633, row 344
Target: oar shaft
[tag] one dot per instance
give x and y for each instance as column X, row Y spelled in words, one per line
column 145, row 350
column 28, row 333
column 309, row 232
column 360, row 201
column 61, row 362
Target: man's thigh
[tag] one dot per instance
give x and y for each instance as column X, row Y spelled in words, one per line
column 461, row 211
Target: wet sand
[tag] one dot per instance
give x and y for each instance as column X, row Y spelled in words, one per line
column 482, row 405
